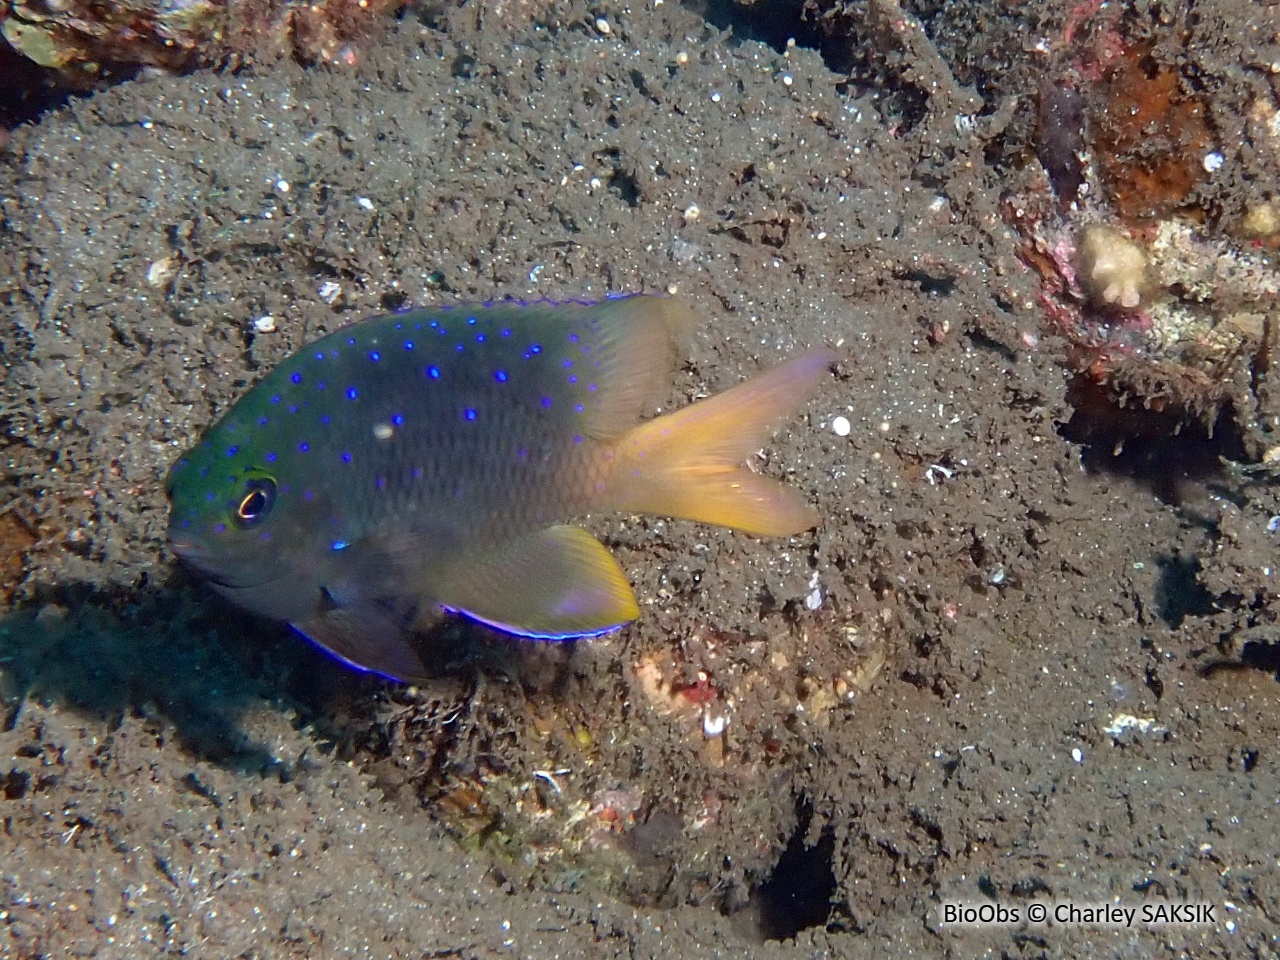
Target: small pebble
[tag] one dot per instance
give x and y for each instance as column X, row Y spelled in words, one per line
column 265, row 324
column 841, row 426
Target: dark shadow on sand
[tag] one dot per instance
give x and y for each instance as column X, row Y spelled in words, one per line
column 176, row 653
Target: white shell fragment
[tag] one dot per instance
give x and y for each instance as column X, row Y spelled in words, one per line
column 714, row 724
column 841, row 427
column 1127, row 721
column 162, row 271
column 813, row 599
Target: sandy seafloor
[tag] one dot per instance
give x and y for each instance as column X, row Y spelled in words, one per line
column 949, row 725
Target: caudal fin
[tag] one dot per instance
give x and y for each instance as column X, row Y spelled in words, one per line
column 689, row 463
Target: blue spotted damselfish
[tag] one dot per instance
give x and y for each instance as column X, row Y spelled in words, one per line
column 428, row 461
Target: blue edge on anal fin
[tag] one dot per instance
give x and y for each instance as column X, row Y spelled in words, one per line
column 532, row 635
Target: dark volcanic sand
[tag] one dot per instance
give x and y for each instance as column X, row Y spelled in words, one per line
column 179, row 779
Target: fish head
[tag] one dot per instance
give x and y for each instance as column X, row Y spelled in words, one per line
column 249, row 532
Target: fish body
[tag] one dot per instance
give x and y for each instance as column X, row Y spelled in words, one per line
column 429, row 460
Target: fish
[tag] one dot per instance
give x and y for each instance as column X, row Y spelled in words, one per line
column 427, row 464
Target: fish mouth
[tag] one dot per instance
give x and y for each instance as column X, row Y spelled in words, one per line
column 187, row 550
column 197, row 556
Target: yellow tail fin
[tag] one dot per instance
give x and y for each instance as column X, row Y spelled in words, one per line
column 689, row 463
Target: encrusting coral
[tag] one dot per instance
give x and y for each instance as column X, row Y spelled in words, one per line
column 1110, row 268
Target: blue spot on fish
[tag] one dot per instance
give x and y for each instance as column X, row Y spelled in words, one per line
column 303, row 447
column 506, row 331
column 275, row 398
column 379, row 482
column 397, row 419
column 352, row 393
column 433, row 373
column 546, row 403
column 579, row 407
column 375, row 356
column 346, row 456
column 264, row 535
column 339, row 545
column 326, row 419
column 500, row 376
column 479, row 338
column 573, row 338
column 471, row 321
column 567, row 364
column 535, row 348
column 469, row 413
column 232, row 451
column 271, row 457
column 296, row 378
column 220, row 527
column 408, row 344
column 263, row 421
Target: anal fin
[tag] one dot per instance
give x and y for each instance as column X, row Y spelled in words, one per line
column 556, row 584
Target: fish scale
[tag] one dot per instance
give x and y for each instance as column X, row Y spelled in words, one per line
column 422, row 392
column 429, row 460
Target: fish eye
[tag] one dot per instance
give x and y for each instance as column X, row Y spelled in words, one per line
column 255, row 504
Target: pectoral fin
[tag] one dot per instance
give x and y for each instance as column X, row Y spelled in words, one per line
column 369, row 637
column 557, row 584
